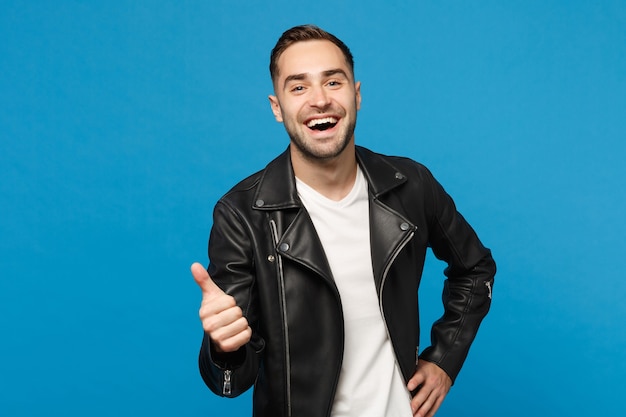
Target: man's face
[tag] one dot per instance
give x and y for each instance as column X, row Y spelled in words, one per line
column 316, row 99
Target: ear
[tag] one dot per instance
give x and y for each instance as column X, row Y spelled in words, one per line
column 357, row 89
column 278, row 115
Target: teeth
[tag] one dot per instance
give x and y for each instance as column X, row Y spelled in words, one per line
column 316, row 122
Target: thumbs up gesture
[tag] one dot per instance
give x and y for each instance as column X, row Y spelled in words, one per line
column 221, row 317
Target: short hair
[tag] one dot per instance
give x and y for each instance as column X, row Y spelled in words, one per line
column 305, row 33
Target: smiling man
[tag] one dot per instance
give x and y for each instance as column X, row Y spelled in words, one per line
column 315, row 262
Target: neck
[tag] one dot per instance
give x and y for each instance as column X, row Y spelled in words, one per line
column 333, row 178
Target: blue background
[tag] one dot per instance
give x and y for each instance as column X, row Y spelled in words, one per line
column 122, row 123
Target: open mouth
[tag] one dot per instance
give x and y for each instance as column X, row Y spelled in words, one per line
column 322, row 124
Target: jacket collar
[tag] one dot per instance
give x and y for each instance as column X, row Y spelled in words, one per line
column 381, row 175
column 277, row 185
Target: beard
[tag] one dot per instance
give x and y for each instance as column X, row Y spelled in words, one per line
column 316, row 150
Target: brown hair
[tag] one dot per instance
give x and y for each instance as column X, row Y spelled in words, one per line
column 301, row 34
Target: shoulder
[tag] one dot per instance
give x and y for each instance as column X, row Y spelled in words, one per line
column 274, row 186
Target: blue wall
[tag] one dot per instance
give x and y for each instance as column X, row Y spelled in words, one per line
column 121, row 124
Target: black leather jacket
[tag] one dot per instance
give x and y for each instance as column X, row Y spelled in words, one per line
column 264, row 251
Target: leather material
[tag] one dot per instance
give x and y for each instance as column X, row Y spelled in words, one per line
column 264, row 251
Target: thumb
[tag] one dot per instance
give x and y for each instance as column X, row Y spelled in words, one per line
column 203, row 279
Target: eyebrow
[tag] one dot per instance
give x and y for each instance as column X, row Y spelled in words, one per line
column 304, row 75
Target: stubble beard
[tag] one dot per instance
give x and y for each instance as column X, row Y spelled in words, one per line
column 316, row 152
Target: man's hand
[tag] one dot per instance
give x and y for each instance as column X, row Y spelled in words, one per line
column 434, row 384
column 221, row 318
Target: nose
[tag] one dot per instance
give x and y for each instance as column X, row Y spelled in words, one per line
column 319, row 97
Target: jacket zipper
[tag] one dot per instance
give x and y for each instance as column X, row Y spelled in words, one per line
column 283, row 302
column 382, row 287
column 226, row 389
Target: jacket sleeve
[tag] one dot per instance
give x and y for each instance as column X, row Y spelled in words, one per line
column 232, row 269
column 468, row 287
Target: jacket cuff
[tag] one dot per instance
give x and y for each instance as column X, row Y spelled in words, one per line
column 429, row 355
column 226, row 360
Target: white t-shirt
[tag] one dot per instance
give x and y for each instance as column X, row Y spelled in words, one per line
column 370, row 383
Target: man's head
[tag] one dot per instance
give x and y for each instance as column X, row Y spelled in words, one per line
column 301, row 34
column 316, row 97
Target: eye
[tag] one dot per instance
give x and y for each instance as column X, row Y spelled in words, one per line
column 334, row 83
column 297, row 89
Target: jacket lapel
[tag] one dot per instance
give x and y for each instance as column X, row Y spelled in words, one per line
column 297, row 238
column 301, row 243
column 388, row 228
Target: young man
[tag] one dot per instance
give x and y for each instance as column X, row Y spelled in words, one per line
column 315, row 262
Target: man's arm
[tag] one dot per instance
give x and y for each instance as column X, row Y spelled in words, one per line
column 467, row 290
column 466, row 299
column 230, row 352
